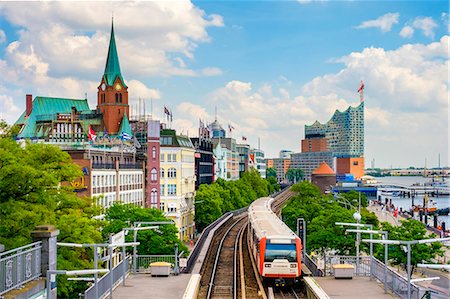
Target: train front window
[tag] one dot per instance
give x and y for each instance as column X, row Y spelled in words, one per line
column 280, row 252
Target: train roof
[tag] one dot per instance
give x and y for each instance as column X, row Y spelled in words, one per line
column 266, row 223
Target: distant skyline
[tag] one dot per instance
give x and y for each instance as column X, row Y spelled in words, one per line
column 270, row 67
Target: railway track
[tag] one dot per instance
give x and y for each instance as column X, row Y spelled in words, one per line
column 228, row 271
column 287, row 293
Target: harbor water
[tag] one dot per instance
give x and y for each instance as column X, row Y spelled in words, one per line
column 441, row 202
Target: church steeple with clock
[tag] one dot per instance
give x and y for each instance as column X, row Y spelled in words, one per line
column 112, row 95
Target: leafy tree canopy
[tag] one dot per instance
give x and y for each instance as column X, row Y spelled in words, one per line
column 33, row 192
column 294, row 175
column 409, row 230
column 212, row 201
column 159, row 241
column 320, row 213
column 271, row 172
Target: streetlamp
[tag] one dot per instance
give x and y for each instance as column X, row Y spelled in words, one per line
column 51, row 276
column 385, row 236
column 135, row 230
column 408, row 244
column 358, row 236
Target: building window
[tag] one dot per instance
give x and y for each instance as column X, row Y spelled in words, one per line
column 154, row 196
column 162, row 187
column 172, row 173
column 154, row 152
column 171, row 157
column 172, row 207
column 161, row 206
column 153, row 175
column 120, row 98
column 171, row 189
column 162, row 173
column 117, row 98
column 161, row 157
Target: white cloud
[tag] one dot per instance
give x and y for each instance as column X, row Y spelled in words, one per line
column 211, row 71
column 407, row 32
column 406, row 95
column 384, row 23
column 74, row 42
column 426, row 25
column 2, row 36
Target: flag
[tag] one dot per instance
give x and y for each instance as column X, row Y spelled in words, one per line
column 171, row 115
column 361, row 87
column 396, row 213
column 91, row 134
column 244, row 138
column 126, row 136
column 166, row 111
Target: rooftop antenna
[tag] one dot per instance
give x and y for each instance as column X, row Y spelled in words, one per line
column 144, row 108
column 151, row 107
column 215, row 113
column 259, row 143
column 85, row 95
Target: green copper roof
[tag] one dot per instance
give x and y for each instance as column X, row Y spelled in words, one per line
column 125, row 126
column 46, row 109
column 112, row 68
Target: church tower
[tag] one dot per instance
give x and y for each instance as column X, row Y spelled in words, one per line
column 112, row 95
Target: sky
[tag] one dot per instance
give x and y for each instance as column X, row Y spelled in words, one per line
column 269, row 67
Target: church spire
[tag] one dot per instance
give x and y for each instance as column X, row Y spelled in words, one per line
column 112, row 68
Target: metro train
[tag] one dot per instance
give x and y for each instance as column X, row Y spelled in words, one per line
column 275, row 248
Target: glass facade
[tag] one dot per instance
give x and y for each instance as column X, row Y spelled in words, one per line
column 344, row 132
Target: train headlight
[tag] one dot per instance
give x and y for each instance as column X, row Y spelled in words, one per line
column 293, row 265
column 267, row 265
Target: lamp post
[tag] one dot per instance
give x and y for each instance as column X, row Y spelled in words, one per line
column 135, row 230
column 51, row 276
column 385, row 236
column 408, row 249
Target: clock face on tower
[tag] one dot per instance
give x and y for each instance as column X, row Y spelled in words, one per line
column 103, row 87
column 118, row 87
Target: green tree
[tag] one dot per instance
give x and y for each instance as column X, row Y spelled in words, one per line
column 271, row 172
column 321, row 212
column 34, row 191
column 273, row 185
column 420, row 253
column 294, row 175
column 208, row 207
column 160, row 241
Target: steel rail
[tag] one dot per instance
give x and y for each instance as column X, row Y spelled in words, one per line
column 238, row 248
column 216, row 261
column 255, row 270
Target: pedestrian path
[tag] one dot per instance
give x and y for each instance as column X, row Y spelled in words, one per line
column 144, row 286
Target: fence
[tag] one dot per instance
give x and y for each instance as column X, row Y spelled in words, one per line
column 20, row 265
column 394, row 281
column 143, row 261
column 104, row 283
column 361, row 269
column 312, row 266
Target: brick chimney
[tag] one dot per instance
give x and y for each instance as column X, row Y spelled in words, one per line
column 29, row 104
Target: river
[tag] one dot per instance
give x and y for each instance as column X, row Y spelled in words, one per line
column 405, row 203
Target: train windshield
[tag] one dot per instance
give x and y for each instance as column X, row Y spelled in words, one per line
column 280, row 251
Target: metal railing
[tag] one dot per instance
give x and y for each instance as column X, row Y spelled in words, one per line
column 312, row 266
column 143, row 261
column 363, row 269
column 20, row 265
column 104, row 283
column 395, row 282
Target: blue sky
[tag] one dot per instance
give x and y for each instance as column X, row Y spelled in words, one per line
column 269, row 67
